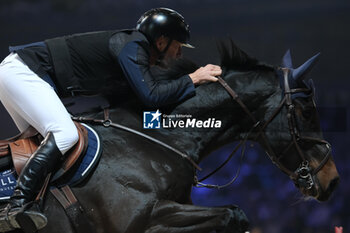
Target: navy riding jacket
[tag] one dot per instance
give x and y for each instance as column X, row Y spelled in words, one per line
column 112, row 62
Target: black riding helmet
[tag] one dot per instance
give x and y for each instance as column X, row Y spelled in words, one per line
column 164, row 22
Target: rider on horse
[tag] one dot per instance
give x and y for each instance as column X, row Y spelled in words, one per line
column 34, row 76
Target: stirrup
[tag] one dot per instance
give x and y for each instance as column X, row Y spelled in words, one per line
column 30, row 221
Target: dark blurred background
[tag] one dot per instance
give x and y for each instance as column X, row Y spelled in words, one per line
column 264, row 29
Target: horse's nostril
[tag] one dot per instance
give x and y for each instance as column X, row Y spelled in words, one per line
column 334, row 183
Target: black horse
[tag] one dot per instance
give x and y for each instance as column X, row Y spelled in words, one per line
column 141, row 186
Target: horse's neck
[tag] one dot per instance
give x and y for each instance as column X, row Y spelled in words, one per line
column 253, row 88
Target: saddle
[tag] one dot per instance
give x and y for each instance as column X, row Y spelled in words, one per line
column 22, row 146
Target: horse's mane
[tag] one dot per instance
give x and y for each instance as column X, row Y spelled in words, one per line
column 232, row 57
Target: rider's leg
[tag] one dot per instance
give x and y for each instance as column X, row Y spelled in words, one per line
column 29, row 183
column 20, row 122
column 37, row 103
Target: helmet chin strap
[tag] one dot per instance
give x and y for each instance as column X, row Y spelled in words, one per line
column 162, row 53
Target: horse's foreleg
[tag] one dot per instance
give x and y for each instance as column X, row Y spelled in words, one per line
column 172, row 217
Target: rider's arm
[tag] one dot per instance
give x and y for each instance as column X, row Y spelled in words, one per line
column 134, row 60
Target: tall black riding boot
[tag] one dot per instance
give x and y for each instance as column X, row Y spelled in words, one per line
column 30, row 181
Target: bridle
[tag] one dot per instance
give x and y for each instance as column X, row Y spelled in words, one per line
column 303, row 175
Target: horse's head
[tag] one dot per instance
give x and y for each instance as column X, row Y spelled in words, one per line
column 282, row 106
column 293, row 136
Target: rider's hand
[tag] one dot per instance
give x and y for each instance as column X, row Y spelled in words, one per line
column 206, row 74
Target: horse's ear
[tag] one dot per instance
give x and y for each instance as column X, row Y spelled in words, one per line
column 300, row 72
column 287, row 60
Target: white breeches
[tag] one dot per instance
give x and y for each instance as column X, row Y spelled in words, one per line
column 31, row 101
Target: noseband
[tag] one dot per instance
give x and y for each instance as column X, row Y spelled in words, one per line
column 303, row 175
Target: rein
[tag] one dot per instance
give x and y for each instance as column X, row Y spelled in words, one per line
column 303, row 175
